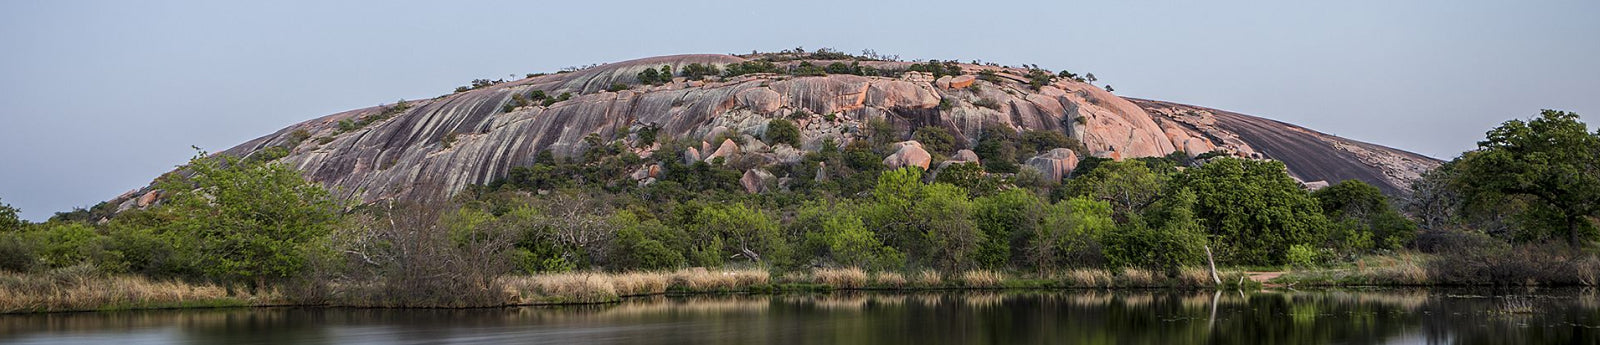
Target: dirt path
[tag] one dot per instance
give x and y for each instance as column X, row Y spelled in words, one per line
column 1263, row 277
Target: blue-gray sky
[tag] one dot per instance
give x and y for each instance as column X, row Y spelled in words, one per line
column 99, row 97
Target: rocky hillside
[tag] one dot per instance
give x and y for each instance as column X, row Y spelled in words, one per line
column 430, row 148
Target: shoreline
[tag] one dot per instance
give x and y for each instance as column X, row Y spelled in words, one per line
column 593, row 288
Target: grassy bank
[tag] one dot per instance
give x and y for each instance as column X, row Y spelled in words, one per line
column 1514, row 267
column 81, row 289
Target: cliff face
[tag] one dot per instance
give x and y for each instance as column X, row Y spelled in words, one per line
column 439, row 146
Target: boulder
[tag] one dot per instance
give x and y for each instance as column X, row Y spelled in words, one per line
column 691, row 155
column 642, row 173
column 148, row 198
column 908, row 153
column 761, row 100
column 942, row 82
column 1315, row 185
column 822, row 172
column 728, row 149
column 961, row 81
column 965, row 156
column 1056, row 164
column 756, row 180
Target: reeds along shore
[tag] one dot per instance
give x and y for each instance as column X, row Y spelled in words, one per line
column 81, row 288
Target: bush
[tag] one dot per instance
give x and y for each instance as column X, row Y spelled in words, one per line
column 937, row 140
column 997, row 148
column 781, row 131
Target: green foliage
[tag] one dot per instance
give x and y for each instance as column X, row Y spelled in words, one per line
column 1552, row 163
column 935, row 139
column 1364, row 218
column 655, row 77
column 997, row 147
column 931, row 223
column 987, row 103
column 971, row 177
column 242, row 221
column 1070, row 235
column 617, row 87
column 644, row 245
column 697, row 71
column 1166, row 237
column 1129, row 186
column 749, row 67
column 937, row 68
column 1038, row 78
column 781, row 131
column 835, row 231
column 805, row 68
column 740, row 231
column 1038, row 141
column 989, row 75
column 1253, row 210
column 1004, row 217
column 8, row 218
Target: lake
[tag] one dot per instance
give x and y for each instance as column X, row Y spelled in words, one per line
column 1382, row 316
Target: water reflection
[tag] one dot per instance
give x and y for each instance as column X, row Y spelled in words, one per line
column 1082, row 316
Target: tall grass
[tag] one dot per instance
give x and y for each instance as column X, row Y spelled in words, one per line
column 842, row 278
column 81, row 288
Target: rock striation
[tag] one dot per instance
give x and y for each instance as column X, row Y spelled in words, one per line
column 439, row 146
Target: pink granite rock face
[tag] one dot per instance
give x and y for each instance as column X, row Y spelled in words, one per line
column 908, row 153
column 403, row 156
column 1055, row 164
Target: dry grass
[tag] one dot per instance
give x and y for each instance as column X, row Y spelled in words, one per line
column 640, row 283
column 929, row 278
column 700, row 279
column 563, row 287
column 841, row 278
column 982, row 279
column 1088, row 278
column 78, row 288
column 889, row 279
column 1195, row 276
column 1134, row 277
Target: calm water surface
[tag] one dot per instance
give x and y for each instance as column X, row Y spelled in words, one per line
column 1079, row 317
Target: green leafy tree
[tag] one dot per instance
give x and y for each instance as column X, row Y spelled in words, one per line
column 744, row 231
column 1552, row 162
column 245, row 221
column 781, row 131
column 931, row 223
column 1003, row 218
column 643, row 245
column 1167, row 236
column 1252, row 209
column 1070, row 235
column 997, row 147
column 937, row 140
column 8, row 218
column 1129, row 186
column 1361, row 211
column 834, row 231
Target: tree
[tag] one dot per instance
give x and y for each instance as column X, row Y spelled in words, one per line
column 638, row 246
column 1002, row 218
column 743, row 231
column 936, row 139
column 247, row 221
column 781, row 131
column 8, row 218
column 1129, row 186
column 1069, row 235
column 932, row 224
column 1090, row 77
column 1552, row 161
column 1252, row 209
column 835, row 231
column 997, row 147
column 1166, row 237
column 1364, row 212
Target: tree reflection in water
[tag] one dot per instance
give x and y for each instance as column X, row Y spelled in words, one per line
column 1076, row 316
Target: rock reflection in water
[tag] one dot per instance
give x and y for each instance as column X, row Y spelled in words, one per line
column 1079, row 316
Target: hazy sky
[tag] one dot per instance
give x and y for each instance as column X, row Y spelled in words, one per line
column 97, row 98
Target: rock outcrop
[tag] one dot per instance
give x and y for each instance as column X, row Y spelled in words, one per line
column 436, row 147
column 908, row 154
column 1055, row 164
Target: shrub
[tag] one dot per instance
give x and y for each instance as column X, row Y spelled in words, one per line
column 987, row 103
column 781, row 131
column 997, row 149
column 697, row 71
column 617, row 87
column 807, row 69
column 937, row 140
